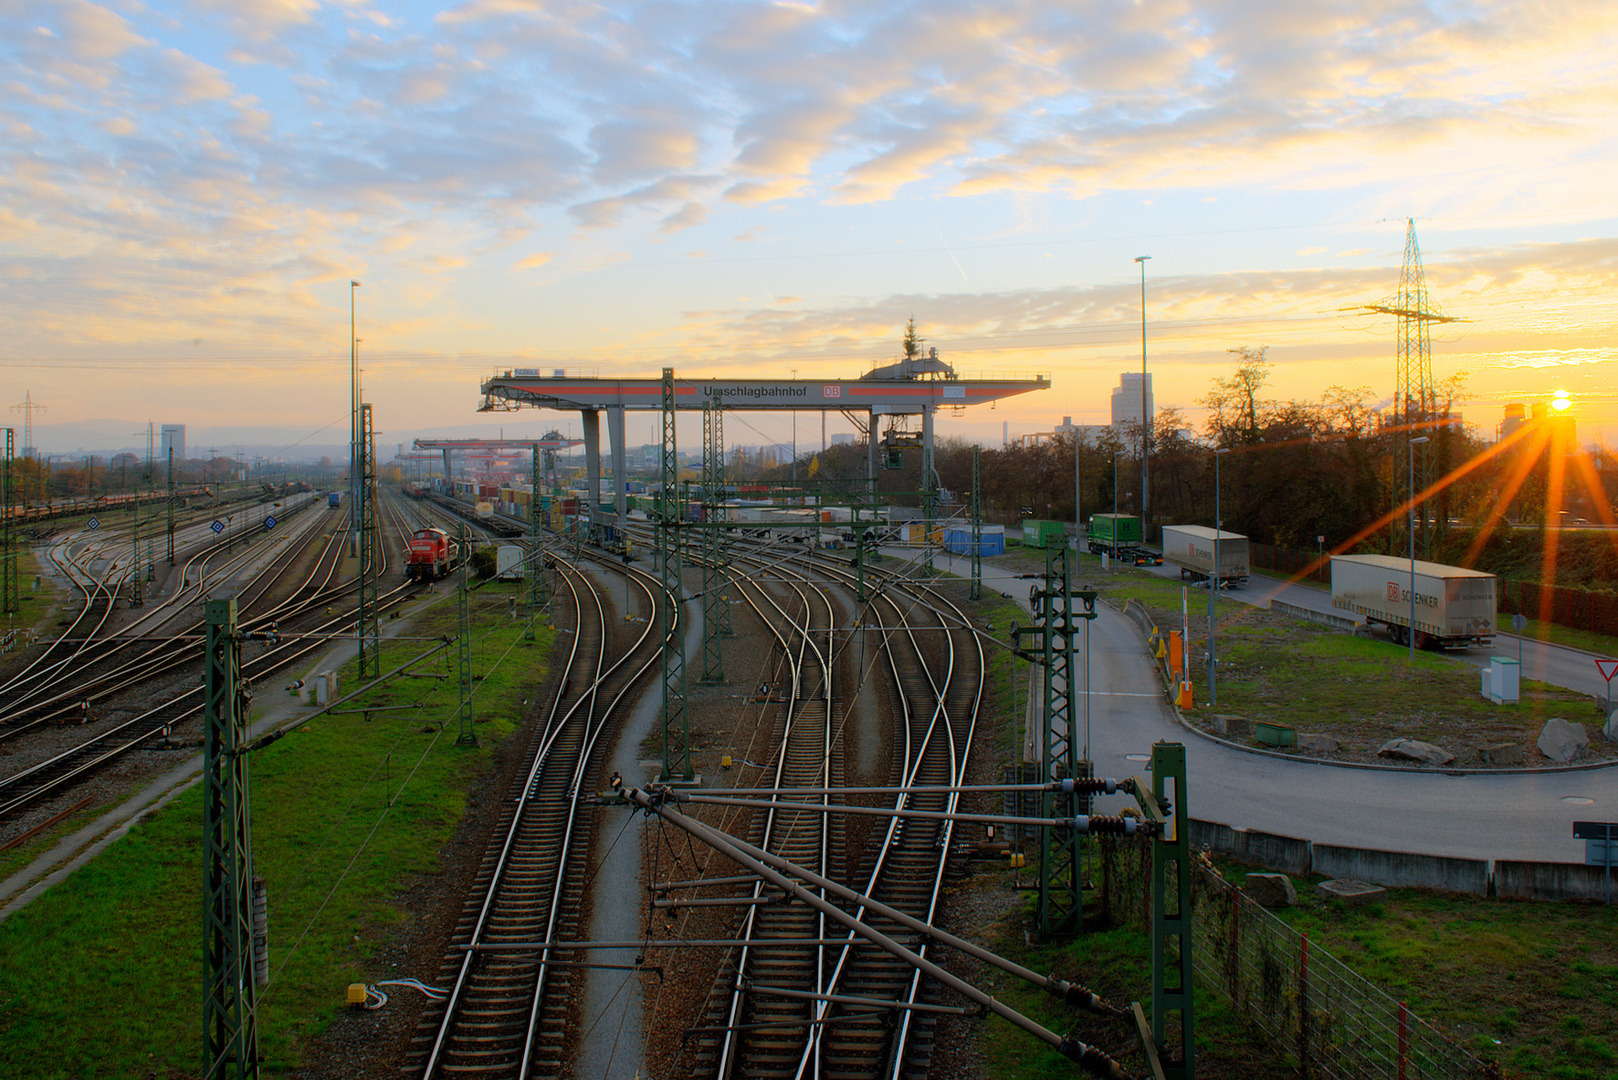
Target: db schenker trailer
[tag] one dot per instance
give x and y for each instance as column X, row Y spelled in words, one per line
column 1454, row 607
column 1119, row 535
column 1191, row 548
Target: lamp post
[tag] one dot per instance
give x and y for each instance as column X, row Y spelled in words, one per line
column 1115, row 493
column 1078, row 510
column 1213, row 580
column 1145, row 416
column 353, row 425
column 1411, row 632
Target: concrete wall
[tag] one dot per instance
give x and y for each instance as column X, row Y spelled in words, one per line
column 1324, row 618
column 1507, row 879
column 1284, row 853
column 1211, row 836
column 1403, row 869
column 1515, row 880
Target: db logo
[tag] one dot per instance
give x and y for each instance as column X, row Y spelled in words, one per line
column 832, row 391
column 1393, row 591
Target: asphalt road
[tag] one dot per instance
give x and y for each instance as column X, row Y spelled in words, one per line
column 1483, row 816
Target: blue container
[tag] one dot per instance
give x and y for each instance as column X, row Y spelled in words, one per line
column 991, row 542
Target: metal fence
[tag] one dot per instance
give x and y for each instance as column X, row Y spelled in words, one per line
column 1315, row 1011
column 1335, row 1022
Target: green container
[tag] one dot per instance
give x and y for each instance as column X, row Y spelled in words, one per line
column 1043, row 534
column 1271, row 734
column 1114, row 529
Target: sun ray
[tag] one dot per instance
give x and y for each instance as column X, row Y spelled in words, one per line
column 1513, row 483
column 1555, row 472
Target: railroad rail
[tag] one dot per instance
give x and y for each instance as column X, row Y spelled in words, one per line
column 509, row 1006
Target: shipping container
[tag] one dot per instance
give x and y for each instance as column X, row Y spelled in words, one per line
column 1191, row 548
column 992, row 541
column 1105, row 533
column 1043, row 534
column 1454, row 607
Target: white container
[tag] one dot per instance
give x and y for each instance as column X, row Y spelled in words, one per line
column 1191, row 548
column 1454, row 606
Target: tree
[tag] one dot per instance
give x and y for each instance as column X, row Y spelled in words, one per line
column 912, row 343
column 1232, row 404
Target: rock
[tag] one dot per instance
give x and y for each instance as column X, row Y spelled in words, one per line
column 1504, row 755
column 1232, row 727
column 1317, row 744
column 1562, row 741
column 1351, row 892
column 1610, row 729
column 1415, row 750
column 1270, row 890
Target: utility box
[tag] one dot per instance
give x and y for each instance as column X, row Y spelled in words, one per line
column 509, row 562
column 1501, row 681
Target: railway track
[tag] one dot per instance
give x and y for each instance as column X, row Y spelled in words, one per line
column 509, row 1005
column 771, row 1012
column 756, row 1030
column 309, row 604
column 940, row 673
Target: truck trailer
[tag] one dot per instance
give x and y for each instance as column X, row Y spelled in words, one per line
column 1191, row 548
column 1119, row 535
column 1455, row 607
column 1106, row 533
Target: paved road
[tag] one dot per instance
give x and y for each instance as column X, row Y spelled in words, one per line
column 1571, row 668
column 1505, row 816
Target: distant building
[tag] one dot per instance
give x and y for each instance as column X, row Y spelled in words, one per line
column 1067, row 427
column 1516, row 415
column 1126, row 400
column 173, row 439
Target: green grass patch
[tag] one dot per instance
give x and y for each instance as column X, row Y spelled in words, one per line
column 1520, row 984
column 346, row 813
column 1512, row 981
column 1361, row 690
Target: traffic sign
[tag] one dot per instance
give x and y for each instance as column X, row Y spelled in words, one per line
column 1608, row 668
column 269, row 523
column 218, row 526
column 1519, row 622
column 93, row 523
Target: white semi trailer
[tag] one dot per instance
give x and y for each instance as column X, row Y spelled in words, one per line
column 1191, row 548
column 1454, row 607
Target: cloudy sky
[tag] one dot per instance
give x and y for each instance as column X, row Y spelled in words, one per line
column 187, row 189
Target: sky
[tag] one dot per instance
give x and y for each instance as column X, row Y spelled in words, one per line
column 756, row 188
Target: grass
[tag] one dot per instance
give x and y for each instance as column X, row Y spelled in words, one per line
column 1362, row 691
column 1533, row 987
column 1530, row 986
column 346, row 814
column 1115, row 963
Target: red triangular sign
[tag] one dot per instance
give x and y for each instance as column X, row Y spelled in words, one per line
column 1608, row 668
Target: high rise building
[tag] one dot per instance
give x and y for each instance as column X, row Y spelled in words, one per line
column 173, row 438
column 1126, row 398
